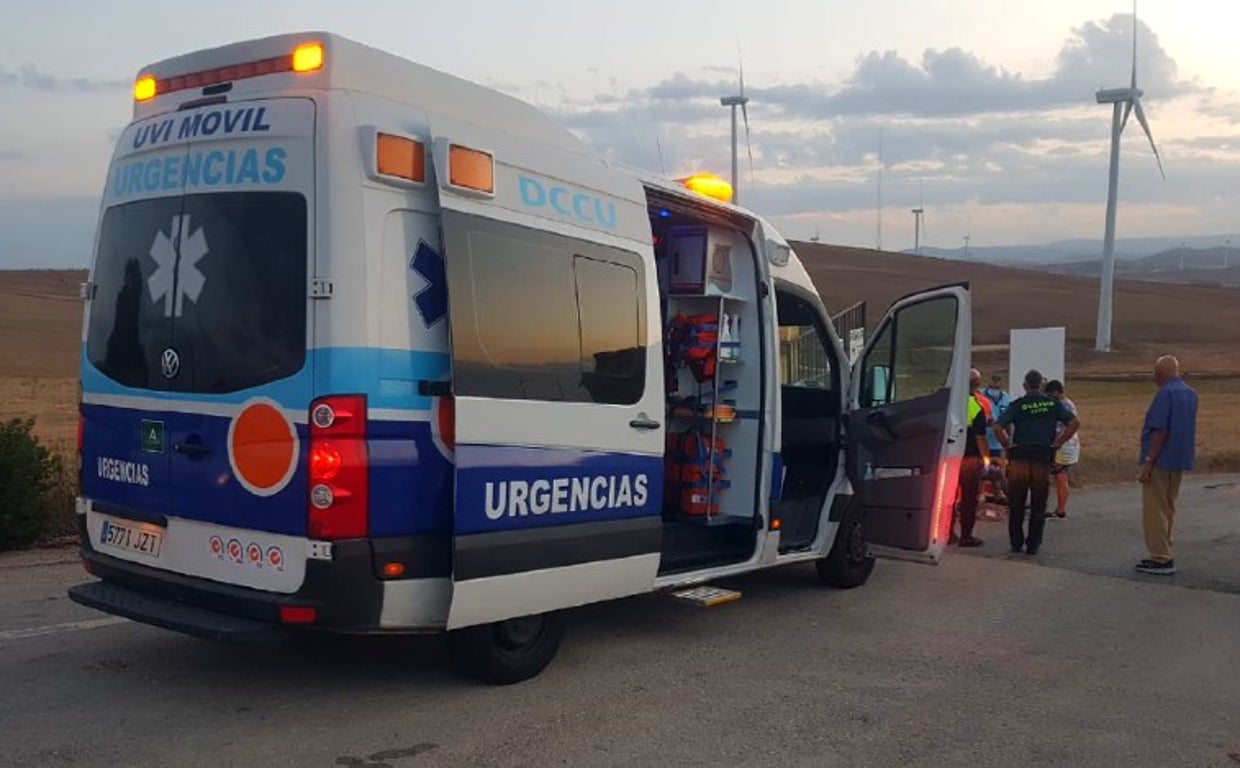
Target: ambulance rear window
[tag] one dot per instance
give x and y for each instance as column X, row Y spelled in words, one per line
column 216, row 281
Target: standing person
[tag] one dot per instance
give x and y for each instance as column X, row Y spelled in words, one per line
column 1168, row 450
column 1068, row 454
column 976, row 458
column 1031, row 448
column 999, row 402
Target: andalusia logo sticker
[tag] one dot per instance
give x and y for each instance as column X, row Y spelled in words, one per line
column 262, row 447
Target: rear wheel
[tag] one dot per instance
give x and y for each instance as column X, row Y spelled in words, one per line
column 507, row 652
column 849, row 563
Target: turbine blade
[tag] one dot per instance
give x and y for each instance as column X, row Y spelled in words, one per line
column 1127, row 111
column 1134, row 44
column 748, row 146
column 1136, row 107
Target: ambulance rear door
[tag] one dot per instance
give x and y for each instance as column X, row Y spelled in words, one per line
column 556, row 377
column 906, row 427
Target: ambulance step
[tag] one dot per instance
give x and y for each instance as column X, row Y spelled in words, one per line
column 707, row 597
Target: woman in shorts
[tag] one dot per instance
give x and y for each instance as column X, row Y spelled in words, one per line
column 1067, row 456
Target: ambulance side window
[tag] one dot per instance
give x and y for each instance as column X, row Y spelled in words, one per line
column 537, row 316
column 912, row 355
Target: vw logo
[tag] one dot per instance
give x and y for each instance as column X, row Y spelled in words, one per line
column 170, row 363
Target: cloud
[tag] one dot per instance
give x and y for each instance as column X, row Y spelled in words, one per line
column 980, row 131
column 12, row 154
column 30, row 77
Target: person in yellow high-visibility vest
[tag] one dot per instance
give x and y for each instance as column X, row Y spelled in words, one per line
column 976, row 458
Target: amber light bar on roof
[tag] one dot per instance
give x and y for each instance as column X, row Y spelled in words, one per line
column 304, row 58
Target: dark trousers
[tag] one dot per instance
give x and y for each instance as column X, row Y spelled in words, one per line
column 970, row 483
column 1028, row 479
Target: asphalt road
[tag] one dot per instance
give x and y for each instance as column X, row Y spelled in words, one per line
column 1067, row 660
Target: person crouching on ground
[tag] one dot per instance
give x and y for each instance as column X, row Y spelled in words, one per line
column 976, row 458
column 1068, row 454
column 1031, row 449
column 1168, row 450
column 999, row 402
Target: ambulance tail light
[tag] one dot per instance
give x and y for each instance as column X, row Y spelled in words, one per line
column 339, row 468
column 944, row 498
column 307, row 57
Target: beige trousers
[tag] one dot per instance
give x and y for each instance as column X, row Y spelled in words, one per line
column 1158, row 512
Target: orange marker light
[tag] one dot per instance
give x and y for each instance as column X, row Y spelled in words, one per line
column 144, row 88
column 308, row 57
column 393, row 570
column 709, row 185
column 776, row 524
column 400, row 157
column 471, row 169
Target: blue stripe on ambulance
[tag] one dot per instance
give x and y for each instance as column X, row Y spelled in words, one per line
column 410, row 479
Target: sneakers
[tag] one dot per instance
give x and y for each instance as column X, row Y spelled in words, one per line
column 971, row 541
column 1156, row 568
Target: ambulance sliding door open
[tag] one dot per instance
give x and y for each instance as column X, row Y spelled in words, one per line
column 907, row 425
column 558, row 397
column 712, row 369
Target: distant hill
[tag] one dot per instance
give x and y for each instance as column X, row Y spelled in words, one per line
column 1071, row 251
column 1201, row 324
column 1216, row 266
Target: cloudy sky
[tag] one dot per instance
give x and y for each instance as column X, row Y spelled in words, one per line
column 985, row 108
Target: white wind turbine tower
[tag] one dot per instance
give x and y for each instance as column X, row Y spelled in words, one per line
column 1125, row 101
column 740, row 100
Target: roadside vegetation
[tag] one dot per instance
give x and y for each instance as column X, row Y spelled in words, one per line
column 37, row 486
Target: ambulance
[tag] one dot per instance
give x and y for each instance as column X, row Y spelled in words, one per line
column 372, row 349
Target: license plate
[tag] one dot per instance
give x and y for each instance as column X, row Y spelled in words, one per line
column 145, row 540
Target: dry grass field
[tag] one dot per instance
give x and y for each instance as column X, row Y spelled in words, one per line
column 41, row 316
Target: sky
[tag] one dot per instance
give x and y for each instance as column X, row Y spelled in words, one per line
column 984, row 109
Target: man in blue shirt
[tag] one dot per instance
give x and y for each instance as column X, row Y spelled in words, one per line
column 1168, row 450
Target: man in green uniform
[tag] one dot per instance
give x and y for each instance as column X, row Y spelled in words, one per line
column 1031, row 442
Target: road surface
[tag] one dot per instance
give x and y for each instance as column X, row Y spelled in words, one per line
column 1067, row 660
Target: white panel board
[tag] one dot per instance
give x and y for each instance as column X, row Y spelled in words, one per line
column 1041, row 348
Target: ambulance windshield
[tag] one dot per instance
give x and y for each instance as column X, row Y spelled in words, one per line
column 201, row 293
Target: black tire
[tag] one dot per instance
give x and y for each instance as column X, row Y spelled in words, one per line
column 849, row 563
column 507, row 652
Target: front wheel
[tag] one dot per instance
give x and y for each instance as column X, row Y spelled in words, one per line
column 849, row 563
column 509, row 651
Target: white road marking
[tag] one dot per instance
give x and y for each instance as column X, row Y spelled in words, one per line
column 55, row 629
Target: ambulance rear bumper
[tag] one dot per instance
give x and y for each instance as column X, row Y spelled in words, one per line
column 155, row 596
column 169, row 614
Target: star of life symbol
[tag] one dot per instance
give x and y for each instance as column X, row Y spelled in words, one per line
column 175, row 280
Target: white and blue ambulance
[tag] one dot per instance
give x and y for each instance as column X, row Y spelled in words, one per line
column 372, row 349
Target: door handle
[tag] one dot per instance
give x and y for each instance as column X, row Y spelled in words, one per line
column 879, row 419
column 644, row 422
column 191, row 449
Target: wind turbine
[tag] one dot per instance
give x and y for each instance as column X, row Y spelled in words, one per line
column 1125, row 101
column 739, row 100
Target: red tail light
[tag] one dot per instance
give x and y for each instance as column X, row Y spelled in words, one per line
column 339, row 466
column 298, row 614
